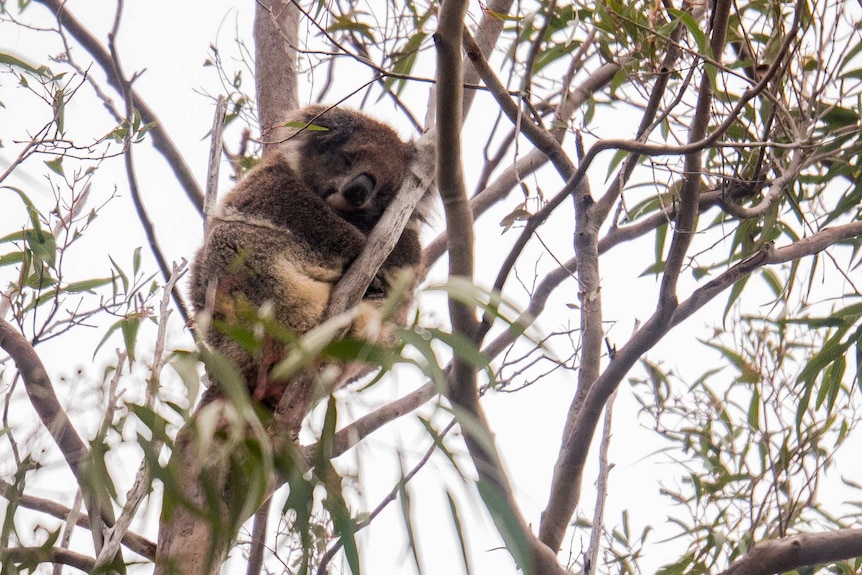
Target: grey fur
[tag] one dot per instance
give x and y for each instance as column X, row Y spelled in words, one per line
column 285, row 234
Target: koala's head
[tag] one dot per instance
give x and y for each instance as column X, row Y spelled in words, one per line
column 355, row 163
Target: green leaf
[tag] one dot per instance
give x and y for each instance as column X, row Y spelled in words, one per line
column 660, row 239
column 11, row 258
column 462, row 543
column 31, row 211
column 693, row 27
column 463, row 347
column 136, row 261
column 837, row 117
column 123, row 278
column 505, row 519
column 519, row 214
column 431, row 368
column 746, row 372
column 305, row 126
column 405, row 58
column 14, row 62
column 42, row 245
column 832, row 350
column 437, row 437
column 653, row 269
column 492, row 304
column 754, row 410
column 87, row 285
column 616, row 160
column 41, row 279
column 312, row 344
column 56, row 165
column 129, row 327
column 186, row 364
column 735, row 292
column 223, row 373
column 407, row 515
column 349, row 23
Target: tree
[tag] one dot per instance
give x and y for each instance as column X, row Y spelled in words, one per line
column 729, row 192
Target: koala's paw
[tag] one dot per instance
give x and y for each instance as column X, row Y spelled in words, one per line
column 369, row 324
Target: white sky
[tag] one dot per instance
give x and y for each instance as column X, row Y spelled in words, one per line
column 169, row 41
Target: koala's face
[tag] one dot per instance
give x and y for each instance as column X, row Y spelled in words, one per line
column 355, row 163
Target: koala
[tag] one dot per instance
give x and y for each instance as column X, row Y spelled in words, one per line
column 283, row 237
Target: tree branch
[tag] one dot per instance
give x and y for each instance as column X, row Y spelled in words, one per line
column 462, row 390
column 53, row 416
column 161, row 140
column 276, row 24
column 144, row 477
column 529, row 163
column 125, row 87
column 790, row 553
column 566, row 483
column 450, row 182
column 686, row 217
column 134, row 542
column 46, row 555
column 654, row 329
column 352, row 434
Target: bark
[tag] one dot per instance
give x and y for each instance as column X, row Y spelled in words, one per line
column 494, row 487
column 584, row 414
column 189, row 542
column 276, row 30
column 40, row 390
column 790, row 553
column 203, row 490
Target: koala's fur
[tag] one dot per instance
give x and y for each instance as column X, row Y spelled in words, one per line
column 286, row 233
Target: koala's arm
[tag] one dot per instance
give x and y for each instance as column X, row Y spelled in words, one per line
column 272, row 193
column 407, row 253
column 248, row 264
column 405, row 256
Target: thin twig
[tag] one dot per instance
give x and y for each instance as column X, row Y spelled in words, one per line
column 161, row 140
column 134, row 542
column 389, row 498
column 592, row 556
column 137, row 199
column 143, row 479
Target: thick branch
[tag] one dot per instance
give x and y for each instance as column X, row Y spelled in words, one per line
column 568, row 471
column 459, row 221
column 386, row 232
column 686, row 217
column 140, row 545
column 53, row 416
column 805, row 550
column 47, row 555
column 486, row 36
column 276, row 26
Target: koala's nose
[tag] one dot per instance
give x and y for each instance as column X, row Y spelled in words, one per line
column 359, row 190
